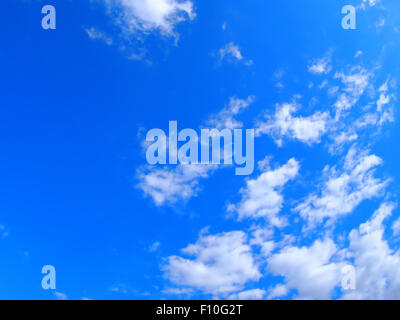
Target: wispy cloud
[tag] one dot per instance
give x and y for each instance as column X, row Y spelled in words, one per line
column 60, row 295
column 169, row 185
column 95, row 34
column 232, row 52
column 226, row 118
column 284, row 124
column 321, row 66
column 344, row 189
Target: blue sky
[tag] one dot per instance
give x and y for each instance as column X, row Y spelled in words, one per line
column 77, row 192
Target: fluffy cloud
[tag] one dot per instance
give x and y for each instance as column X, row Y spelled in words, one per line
column 150, row 15
column 171, row 185
column 315, row 271
column 309, row 270
column 222, row 264
column 283, row 124
column 343, row 190
column 262, row 198
column 321, row 66
column 226, row 117
column 396, row 227
column 377, row 265
column 232, row 51
column 254, row 294
column 280, row 290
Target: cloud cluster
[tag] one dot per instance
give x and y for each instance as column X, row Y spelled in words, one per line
column 308, row 270
column 150, row 15
column 342, row 190
column 354, row 85
column 284, row 124
column 321, row 66
column 262, row 198
column 377, row 265
column 222, row 264
column 172, row 184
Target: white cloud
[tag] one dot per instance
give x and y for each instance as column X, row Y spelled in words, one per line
column 231, row 50
column 95, row 34
column 358, row 53
column 396, row 227
column 377, row 265
column 60, row 295
column 315, row 271
column 262, row 198
column 383, row 100
column 341, row 139
column 368, row 3
column 309, row 270
column 370, row 117
column 226, row 117
column 283, row 124
column 172, row 185
column 178, row 291
column 278, row 291
column 122, row 288
column 343, row 190
column 154, row 247
column 151, row 15
column 371, row 2
column 254, row 294
column 321, row 66
column 222, row 264
column 354, row 85
column 262, row 237
column 385, row 112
